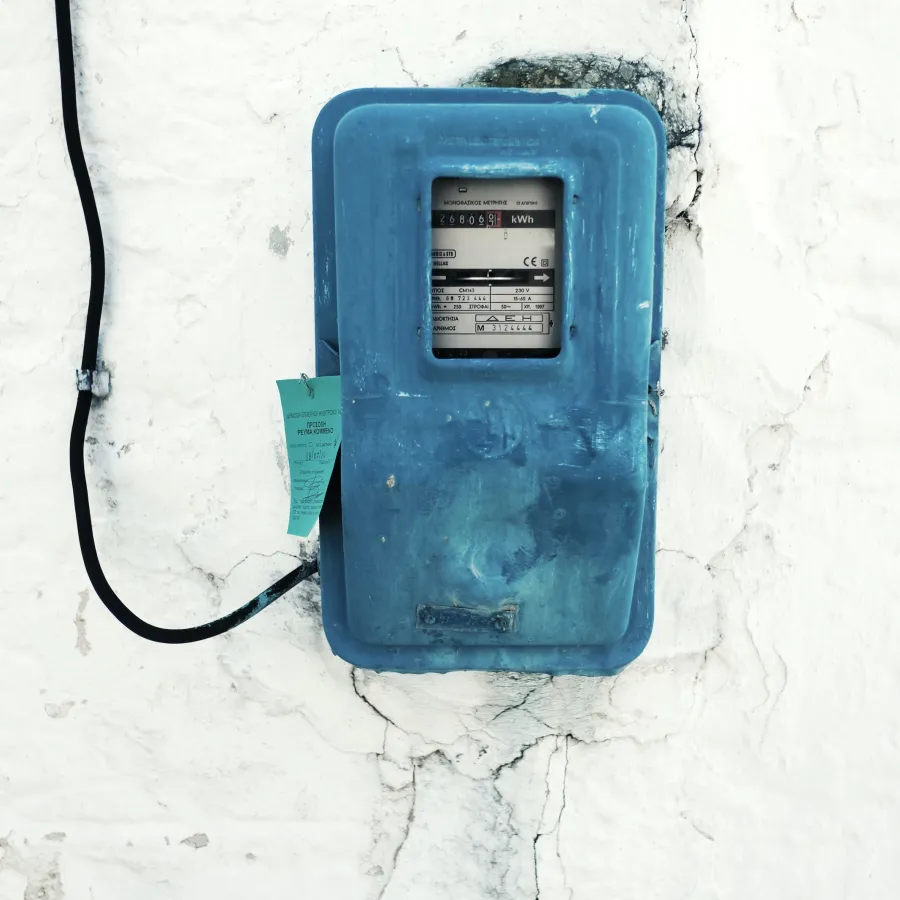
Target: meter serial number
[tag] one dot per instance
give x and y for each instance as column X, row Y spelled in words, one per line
column 501, row 327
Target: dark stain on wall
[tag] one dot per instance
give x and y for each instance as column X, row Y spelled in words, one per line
column 676, row 103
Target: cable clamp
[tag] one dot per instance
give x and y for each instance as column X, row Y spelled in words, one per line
column 97, row 382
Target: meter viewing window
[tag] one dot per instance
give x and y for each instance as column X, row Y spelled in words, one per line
column 495, row 267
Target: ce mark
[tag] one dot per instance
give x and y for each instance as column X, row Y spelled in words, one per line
column 532, row 261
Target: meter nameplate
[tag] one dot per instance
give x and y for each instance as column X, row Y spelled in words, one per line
column 495, row 266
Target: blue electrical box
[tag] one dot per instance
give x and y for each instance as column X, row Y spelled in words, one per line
column 488, row 269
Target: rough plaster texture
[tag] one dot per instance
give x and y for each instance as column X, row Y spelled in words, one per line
column 751, row 752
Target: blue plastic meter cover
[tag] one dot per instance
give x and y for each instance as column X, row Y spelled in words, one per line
column 489, row 513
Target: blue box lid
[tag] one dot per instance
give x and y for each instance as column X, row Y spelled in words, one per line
column 494, row 514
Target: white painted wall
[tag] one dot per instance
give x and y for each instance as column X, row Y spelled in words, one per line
column 753, row 751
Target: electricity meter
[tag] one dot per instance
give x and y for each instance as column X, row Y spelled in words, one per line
column 488, row 267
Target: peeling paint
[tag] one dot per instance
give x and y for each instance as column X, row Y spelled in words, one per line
column 59, row 710
column 82, row 644
column 280, row 240
column 197, row 841
column 40, row 870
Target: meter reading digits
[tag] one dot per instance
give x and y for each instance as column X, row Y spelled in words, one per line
column 495, row 264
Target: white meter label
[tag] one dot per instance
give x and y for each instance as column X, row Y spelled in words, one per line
column 495, row 266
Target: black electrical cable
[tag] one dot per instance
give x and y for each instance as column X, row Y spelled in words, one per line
column 83, row 405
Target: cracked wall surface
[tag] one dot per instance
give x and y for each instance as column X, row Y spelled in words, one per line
column 750, row 752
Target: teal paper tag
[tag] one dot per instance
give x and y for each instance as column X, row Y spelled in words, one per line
column 312, row 427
